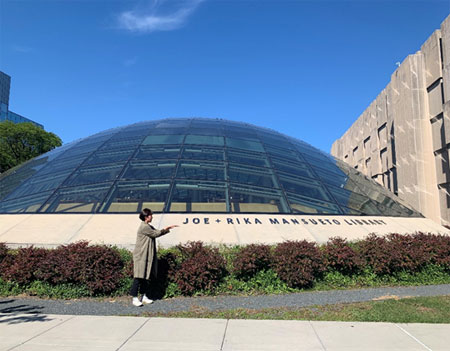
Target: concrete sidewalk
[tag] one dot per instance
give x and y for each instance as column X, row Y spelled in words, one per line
column 67, row 332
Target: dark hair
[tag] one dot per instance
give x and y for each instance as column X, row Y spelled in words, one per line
column 145, row 213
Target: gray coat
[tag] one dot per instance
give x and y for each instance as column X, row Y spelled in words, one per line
column 144, row 254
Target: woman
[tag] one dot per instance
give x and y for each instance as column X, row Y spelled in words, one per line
column 144, row 257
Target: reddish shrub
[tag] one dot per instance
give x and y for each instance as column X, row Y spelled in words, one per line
column 201, row 268
column 22, row 266
column 97, row 267
column 339, row 256
column 298, row 263
column 376, row 252
column 3, row 251
column 252, row 259
column 397, row 252
column 55, row 268
column 408, row 252
column 441, row 250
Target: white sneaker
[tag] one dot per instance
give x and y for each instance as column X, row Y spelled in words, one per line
column 136, row 302
column 146, row 300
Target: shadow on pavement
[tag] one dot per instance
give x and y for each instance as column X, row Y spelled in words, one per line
column 24, row 319
column 20, row 313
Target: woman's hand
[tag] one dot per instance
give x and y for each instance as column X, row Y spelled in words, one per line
column 171, row 226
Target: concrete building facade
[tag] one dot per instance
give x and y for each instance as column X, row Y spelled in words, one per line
column 402, row 140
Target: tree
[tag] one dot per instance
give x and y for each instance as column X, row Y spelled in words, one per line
column 23, row 141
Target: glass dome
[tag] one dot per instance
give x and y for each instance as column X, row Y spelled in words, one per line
column 193, row 165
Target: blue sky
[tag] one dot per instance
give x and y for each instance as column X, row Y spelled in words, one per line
column 305, row 68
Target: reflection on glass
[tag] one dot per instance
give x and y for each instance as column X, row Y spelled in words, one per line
column 135, row 196
column 247, row 158
column 201, row 170
column 246, row 176
column 198, row 197
column 27, row 204
column 149, row 170
column 82, row 199
column 202, row 153
column 337, row 180
column 305, row 187
column 103, row 157
column 204, row 140
column 91, row 175
column 354, row 201
column 327, row 163
column 254, row 200
column 13, row 178
column 155, row 153
column 163, row 139
column 121, row 144
column 239, row 132
column 293, row 168
column 245, row 144
column 301, row 204
column 283, row 153
column 38, row 185
column 275, row 140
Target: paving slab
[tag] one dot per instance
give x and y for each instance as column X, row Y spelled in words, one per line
column 434, row 336
column 93, row 332
column 34, row 347
column 43, row 332
column 20, row 328
column 178, row 334
column 346, row 336
column 268, row 335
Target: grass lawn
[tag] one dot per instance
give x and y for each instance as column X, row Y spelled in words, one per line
column 406, row 310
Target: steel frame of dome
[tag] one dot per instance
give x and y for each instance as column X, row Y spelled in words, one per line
column 194, row 165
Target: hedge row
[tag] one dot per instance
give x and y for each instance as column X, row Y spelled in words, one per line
column 194, row 267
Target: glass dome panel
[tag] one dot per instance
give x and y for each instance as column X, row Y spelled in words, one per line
column 193, row 165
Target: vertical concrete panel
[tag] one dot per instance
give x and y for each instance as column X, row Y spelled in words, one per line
column 444, row 202
column 402, row 112
column 445, row 47
column 431, row 52
column 446, row 119
column 437, row 129
column 435, row 106
column 442, row 167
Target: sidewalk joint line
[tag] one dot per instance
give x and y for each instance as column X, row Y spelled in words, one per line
column 132, row 334
column 413, row 337
column 317, row 335
column 45, row 331
column 224, row 335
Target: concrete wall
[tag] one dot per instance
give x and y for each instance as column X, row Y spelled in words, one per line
column 51, row 230
column 402, row 139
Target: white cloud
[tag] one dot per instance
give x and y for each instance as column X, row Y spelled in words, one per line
column 162, row 15
column 22, row 49
column 130, row 62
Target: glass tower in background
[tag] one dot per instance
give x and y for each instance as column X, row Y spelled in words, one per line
column 5, row 113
